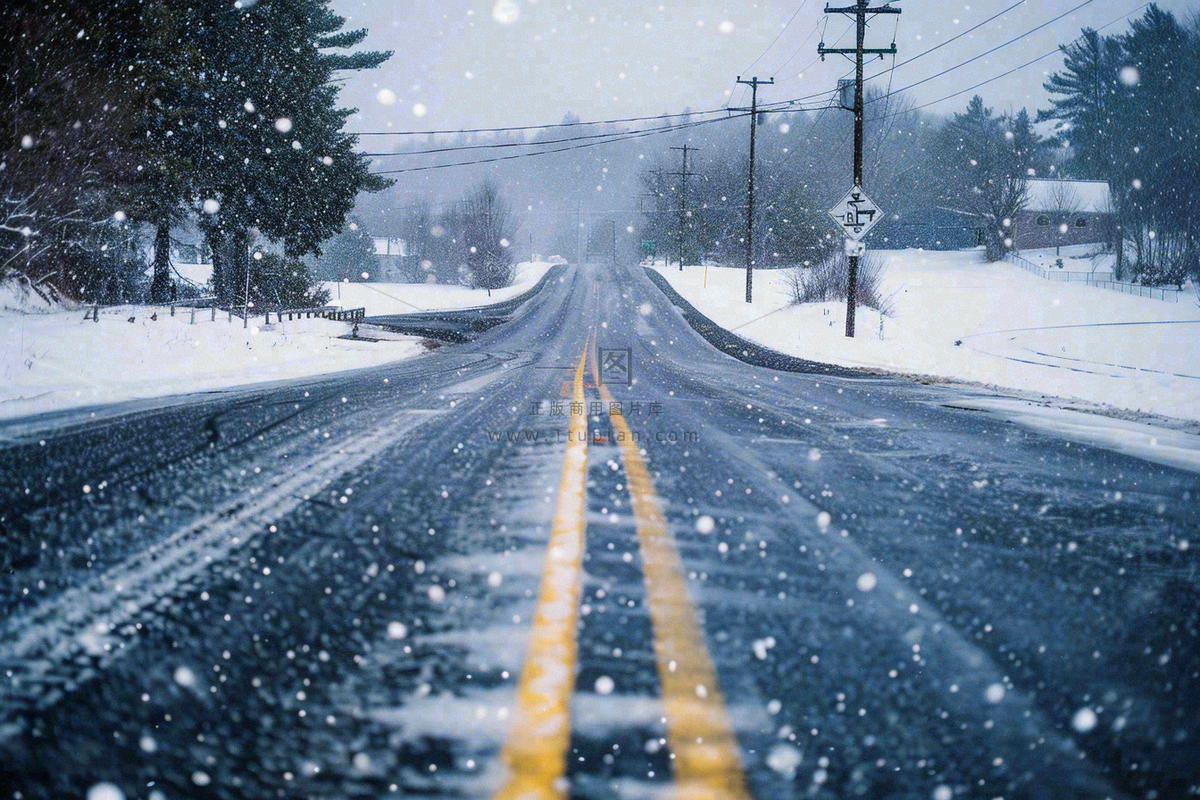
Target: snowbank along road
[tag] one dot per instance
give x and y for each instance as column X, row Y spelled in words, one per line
column 467, row 576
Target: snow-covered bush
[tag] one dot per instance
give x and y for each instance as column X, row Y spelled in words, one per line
column 829, row 281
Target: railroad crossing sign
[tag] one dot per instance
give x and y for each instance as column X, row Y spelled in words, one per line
column 856, row 214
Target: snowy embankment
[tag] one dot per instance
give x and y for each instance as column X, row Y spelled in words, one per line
column 51, row 358
column 57, row 360
column 956, row 317
column 409, row 298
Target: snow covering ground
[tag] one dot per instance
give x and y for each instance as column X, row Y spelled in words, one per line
column 408, row 298
column 52, row 359
column 17, row 294
column 1076, row 258
column 57, row 360
column 1016, row 330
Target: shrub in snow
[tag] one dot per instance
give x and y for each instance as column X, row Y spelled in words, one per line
column 829, row 281
column 277, row 281
column 347, row 255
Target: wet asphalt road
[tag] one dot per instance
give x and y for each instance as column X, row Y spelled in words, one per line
column 324, row 588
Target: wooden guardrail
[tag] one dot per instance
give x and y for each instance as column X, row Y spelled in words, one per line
column 333, row 313
column 324, row 312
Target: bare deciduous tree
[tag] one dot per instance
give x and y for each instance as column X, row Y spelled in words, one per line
column 1063, row 207
column 489, row 226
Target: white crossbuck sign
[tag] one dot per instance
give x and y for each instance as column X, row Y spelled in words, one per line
column 856, row 214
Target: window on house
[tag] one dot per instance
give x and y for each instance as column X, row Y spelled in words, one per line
column 1081, row 222
column 1043, row 221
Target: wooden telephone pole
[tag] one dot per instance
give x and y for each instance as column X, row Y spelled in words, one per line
column 860, row 11
column 683, row 196
column 753, row 83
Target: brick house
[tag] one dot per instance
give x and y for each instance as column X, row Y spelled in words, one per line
column 1064, row 212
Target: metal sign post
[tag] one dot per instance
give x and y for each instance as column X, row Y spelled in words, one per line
column 856, row 214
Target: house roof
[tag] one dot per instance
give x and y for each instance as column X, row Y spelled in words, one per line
column 1087, row 197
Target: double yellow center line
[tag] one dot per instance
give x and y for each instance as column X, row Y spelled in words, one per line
column 535, row 751
column 700, row 736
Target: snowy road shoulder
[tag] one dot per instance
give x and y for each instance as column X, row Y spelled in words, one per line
column 382, row 299
column 957, row 318
column 56, row 361
column 1171, row 448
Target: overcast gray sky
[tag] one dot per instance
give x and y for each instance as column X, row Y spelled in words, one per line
column 473, row 63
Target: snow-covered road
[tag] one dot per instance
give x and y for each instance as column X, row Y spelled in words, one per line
column 364, row 584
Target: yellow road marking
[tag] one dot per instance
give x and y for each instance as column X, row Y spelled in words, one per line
column 536, row 748
column 706, row 765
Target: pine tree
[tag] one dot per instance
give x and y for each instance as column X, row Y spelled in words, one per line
column 276, row 161
column 1087, row 103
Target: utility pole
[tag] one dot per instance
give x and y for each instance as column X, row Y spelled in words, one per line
column 657, row 195
column 753, row 83
column 683, row 196
column 578, row 232
column 860, row 11
column 246, row 308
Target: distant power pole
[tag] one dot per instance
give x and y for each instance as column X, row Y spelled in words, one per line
column 683, row 196
column 860, row 10
column 753, row 83
column 657, row 196
column 578, row 232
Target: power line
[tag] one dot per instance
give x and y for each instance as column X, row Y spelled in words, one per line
column 954, row 38
column 895, row 66
column 787, row 106
column 623, row 137
column 807, row 67
column 777, row 36
column 992, row 50
column 796, row 52
column 604, row 138
column 501, row 145
column 1029, row 63
column 948, row 41
column 514, row 128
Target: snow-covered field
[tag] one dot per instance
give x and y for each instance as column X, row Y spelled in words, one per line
column 1077, row 258
column 408, row 298
column 1016, row 330
column 57, row 360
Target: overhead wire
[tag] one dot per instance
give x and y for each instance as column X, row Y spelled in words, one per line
column 791, row 19
column 503, row 145
column 796, row 52
column 785, row 106
column 993, row 49
column 515, row 128
column 622, row 137
column 1029, row 63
